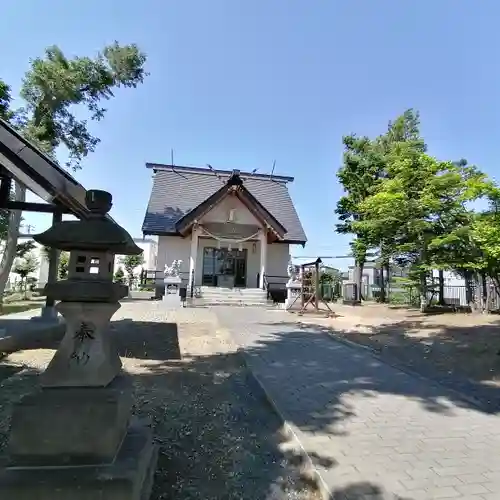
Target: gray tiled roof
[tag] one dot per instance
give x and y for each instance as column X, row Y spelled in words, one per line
column 176, row 193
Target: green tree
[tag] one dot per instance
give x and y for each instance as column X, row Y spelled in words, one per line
column 62, row 268
column 52, row 90
column 405, row 129
column 119, row 275
column 364, row 168
column 414, row 211
column 130, row 264
column 24, row 267
column 361, row 170
column 419, row 205
column 23, row 248
column 453, row 246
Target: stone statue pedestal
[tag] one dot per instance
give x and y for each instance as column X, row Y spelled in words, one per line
column 171, row 298
column 293, row 288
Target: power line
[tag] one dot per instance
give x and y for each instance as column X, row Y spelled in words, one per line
column 330, row 256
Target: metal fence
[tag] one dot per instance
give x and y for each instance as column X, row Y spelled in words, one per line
column 453, row 295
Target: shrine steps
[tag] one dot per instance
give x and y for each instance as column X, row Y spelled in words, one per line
column 213, row 296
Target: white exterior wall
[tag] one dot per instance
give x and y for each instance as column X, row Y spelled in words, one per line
column 172, row 248
column 278, row 256
column 175, row 247
column 450, row 278
column 150, row 255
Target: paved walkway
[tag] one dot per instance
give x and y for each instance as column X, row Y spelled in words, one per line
column 374, row 431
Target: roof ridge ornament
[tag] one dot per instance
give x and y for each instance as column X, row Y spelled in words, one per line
column 235, row 179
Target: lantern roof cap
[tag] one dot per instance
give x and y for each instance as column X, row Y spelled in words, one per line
column 97, row 233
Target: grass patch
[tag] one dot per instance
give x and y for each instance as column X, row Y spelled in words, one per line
column 21, row 307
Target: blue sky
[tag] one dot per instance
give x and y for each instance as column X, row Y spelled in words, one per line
column 239, row 84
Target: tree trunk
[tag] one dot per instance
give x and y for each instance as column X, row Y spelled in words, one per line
column 441, row 300
column 481, row 293
column 495, row 292
column 423, row 279
column 382, row 285
column 469, row 291
column 388, row 280
column 477, row 294
column 423, row 291
column 485, row 294
column 359, row 280
column 9, row 253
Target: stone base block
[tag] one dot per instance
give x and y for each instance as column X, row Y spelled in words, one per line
column 172, row 301
column 129, row 477
column 351, row 302
column 71, row 426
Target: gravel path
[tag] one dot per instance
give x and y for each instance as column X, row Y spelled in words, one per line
column 219, row 437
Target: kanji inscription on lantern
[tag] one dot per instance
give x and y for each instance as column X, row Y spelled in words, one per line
column 86, row 331
column 83, row 335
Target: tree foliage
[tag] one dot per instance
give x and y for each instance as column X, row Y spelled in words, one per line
column 55, row 85
column 62, row 268
column 25, row 247
column 415, row 210
column 119, row 276
column 130, row 264
column 57, row 91
column 25, row 266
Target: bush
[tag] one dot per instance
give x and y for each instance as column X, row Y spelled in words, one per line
column 119, row 276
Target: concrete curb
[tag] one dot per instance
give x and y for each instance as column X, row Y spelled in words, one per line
column 290, row 430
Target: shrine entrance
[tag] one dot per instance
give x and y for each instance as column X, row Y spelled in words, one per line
column 224, row 268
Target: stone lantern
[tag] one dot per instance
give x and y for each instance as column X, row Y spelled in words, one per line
column 74, row 439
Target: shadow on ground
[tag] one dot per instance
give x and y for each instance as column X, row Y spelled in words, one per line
column 463, row 358
column 364, row 491
column 142, row 340
column 219, row 437
column 360, row 373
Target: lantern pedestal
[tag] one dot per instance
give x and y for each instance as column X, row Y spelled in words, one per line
column 172, row 287
column 293, row 289
column 86, row 356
